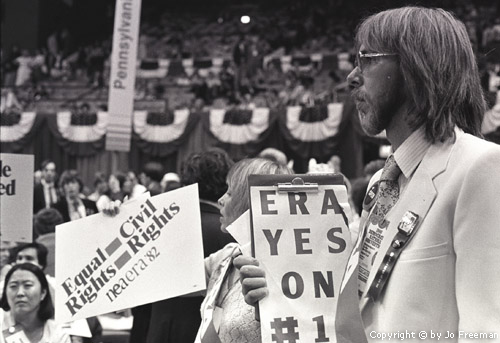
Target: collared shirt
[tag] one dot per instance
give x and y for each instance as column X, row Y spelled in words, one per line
column 49, row 193
column 409, row 155
column 52, row 332
column 76, row 209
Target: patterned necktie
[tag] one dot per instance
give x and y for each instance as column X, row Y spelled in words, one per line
column 388, row 192
column 387, row 196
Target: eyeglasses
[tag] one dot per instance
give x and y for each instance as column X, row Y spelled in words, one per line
column 363, row 60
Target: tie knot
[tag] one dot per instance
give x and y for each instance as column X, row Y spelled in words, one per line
column 391, row 170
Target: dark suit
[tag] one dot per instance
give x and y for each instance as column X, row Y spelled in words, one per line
column 177, row 320
column 39, row 197
column 62, row 207
column 213, row 237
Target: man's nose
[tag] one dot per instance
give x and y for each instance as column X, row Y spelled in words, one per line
column 354, row 79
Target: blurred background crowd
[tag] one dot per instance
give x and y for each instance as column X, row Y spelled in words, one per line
column 263, row 54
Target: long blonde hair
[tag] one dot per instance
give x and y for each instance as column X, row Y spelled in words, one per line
column 238, row 178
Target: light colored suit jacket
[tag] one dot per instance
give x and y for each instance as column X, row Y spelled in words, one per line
column 448, row 277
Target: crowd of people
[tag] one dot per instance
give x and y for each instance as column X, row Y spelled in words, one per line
column 223, row 194
column 432, row 204
column 299, row 30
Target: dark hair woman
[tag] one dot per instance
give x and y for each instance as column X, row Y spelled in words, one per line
column 27, row 306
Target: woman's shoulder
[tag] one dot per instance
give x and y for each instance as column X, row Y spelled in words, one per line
column 54, row 333
column 6, row 318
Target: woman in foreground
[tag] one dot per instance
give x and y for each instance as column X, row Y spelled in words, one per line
column 224, row 302
column 27, row 307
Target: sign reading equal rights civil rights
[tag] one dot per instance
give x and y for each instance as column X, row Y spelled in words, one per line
column 16, row 197
column 152, row 250
column 301, row 238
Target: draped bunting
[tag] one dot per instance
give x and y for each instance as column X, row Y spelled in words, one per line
column 163, row 136
column 78, row 139
column 315, row 131
column 162, row 67
column 74, row 131
column 168, row 137
column 312, row 131
column 87, row 140
column 17, row 128
column 240, row 132
column 160, row 133
column 308, row 131
column 227, row 132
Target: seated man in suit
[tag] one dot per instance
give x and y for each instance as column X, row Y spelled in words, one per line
column 71, row 205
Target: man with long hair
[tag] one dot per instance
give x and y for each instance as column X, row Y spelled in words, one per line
column 427, row 253
column 417, row 78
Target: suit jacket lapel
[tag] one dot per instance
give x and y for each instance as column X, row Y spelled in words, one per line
column 418, row 198
column 64, row 209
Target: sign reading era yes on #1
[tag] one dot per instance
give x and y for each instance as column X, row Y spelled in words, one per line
column 301, row 238
column 16, row 197
column 152, row 250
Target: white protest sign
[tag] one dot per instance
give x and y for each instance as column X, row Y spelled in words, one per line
column 301, row 238
column 16, row 197
column 241, row 232
column 79, row 327
column 152, row 250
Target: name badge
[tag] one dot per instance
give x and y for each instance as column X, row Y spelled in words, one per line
column 15, row 335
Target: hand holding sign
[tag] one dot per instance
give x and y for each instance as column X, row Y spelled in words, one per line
column 253, row 279
column 117, row 258
column 302, row 240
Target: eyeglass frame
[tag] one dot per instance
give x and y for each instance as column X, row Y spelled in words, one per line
column 361, row 55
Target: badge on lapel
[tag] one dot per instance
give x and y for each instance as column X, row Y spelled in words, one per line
column 370, row 197
column 408, row 223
